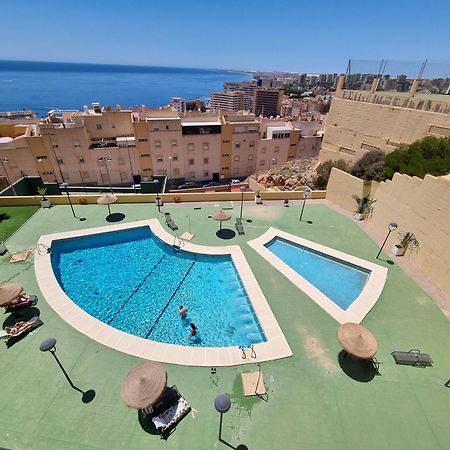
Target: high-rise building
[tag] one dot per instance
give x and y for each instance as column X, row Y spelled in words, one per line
column 178, row 104
column 227, row 101
column 247, row 87
column 267, row 102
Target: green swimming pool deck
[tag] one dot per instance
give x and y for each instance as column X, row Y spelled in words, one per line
column 312, row 404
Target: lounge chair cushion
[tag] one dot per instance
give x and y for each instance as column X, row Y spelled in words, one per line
column 171, row 415
column 413, row 358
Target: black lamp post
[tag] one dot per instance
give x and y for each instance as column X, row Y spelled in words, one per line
column 49, row 345
column 222, row 403
column 306, row 193
column 391, row 227
column 107, row 159
column 242, row 189
column 5, row 160
column 65, row 186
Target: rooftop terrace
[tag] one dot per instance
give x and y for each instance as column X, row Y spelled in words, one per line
column 315, row 400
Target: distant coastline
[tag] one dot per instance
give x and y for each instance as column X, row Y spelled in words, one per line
column 42, row 86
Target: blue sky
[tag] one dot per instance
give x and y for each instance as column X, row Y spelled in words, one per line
column 314, row 36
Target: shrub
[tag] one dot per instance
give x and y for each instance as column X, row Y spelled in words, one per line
column 324, row 170
column 430, row 155
column 370, row 166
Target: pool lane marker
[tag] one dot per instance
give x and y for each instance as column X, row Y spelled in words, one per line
column 170, row 299
column 135, row 291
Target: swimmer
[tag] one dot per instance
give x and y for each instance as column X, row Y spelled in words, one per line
column 182, row 311
column 193, row 331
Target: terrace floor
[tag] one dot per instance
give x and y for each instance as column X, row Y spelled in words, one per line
column 312, row 403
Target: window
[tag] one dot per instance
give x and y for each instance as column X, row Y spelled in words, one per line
column 237, row 145
column 251, row 144
column 191, row 174
column 145, row 155
column 205, row 146
column 224, row 155
column 167, row 127
column 60, row 161
column 173, row 143
column 143, row 139
column 237, row 157
column 191, row 162
column 235, row 170
column 262, row 162
column 82, row 161
column 159, row 158
column 55, row 146
column 226, row 141
column 205, row 173
column 175, row 157
column 250, row 157
column 99, row 126
column 240, row 129
column 252, row 129
column 264, row 150
column 191, row 146
column 176, row 171
column 113, row 125
column 276, row 149
column 39, row 158
column 157, row 144
column 76, row 143
column 147, row 169
column 155, row 129
column 205, row 160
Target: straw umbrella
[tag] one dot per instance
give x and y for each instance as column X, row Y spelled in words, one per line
column 107, row 199
column 221, row 216
column 8, row 292
column 357, row 340
column 144, row 385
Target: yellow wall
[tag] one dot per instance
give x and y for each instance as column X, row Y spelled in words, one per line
column 226, row 149
column 419, row 206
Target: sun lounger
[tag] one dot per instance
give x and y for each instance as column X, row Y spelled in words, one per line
column 21, row 328
column 170, row 223
column 24, row 302
column 412, row 358
column 239, row 226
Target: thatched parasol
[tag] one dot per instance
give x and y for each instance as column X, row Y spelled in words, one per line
column 357, row 340
column 8, row 292
column 107, row 199
column 144, row 385
column 221, row 216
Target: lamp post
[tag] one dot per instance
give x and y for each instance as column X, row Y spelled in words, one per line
column 66, row 188
column 306, row 193
column 4, row 160
column 242, row 189
column 131, row 167
column 49, row 345
column 170, row 172
column 57, row 160
column 391, row 227
column 222, row 403
column 158, row 199
column 107, row 159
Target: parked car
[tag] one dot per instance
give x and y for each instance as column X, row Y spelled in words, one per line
column 211, row 184
column 189, row 185
column 235, row 181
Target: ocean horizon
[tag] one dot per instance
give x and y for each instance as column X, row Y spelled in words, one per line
column 42, row 86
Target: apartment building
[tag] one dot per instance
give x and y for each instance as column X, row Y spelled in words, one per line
column 227, row 101
column 122, row 147
column 247, row 87
column 178, row 104
column 267, row 102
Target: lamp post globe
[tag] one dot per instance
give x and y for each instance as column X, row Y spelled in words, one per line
column 48, row 345
column 222, row 403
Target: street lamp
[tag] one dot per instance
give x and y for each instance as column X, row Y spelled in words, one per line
column 49, row 345
column 131, row 167
column 391, row 227
column 65, row 186
column 5, row 160
column 242, row 189
column 306, row 193
column 107, row 159
column 222, row 403
column 57, row 160
column 170, row 172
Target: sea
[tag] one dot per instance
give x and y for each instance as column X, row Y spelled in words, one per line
column 42, row 86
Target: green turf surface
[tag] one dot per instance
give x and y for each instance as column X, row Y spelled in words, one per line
column 312, row 403
column 13, row 217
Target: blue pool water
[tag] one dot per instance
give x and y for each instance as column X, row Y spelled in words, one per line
column 340, row 281
column 134, row 282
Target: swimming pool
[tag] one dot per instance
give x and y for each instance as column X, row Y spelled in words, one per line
column 345, row 286
column 135, row 282
column 322, row 271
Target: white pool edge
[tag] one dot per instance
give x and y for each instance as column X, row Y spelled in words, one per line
column 360, row 306
column 276, row 346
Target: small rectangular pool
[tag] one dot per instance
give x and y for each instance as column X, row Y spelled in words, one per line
column 340, row 281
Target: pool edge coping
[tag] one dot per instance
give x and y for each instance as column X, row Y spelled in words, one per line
column 360, row 307
column 276, row 346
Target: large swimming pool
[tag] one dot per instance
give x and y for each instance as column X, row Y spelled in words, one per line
column 133, row 281
column 340, row 281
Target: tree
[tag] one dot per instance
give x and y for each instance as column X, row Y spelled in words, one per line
column 430, row 155
column 370, row 166
column 324, row 170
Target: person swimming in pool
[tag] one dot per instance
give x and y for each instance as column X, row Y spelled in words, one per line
column 193, row 331
column 182, row 311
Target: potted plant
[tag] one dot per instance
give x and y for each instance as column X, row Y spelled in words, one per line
column 407, row 240
column 363, row 207
column 258, row 199
column 45, row 202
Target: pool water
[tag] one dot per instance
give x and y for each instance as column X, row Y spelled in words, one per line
column 133, row 281
column 340, row 281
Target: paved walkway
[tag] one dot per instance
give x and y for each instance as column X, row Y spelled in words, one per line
column 312, row 402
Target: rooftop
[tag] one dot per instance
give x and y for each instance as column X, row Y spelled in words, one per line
column 314, row 397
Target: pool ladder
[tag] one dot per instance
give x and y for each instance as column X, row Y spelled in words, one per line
column 252, row 351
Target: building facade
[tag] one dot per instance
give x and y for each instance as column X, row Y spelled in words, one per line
column 267, row 102
column 227, row 101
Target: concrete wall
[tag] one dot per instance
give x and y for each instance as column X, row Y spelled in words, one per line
column 419, row 206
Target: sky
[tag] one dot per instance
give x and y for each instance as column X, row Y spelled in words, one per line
column 282, row 35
